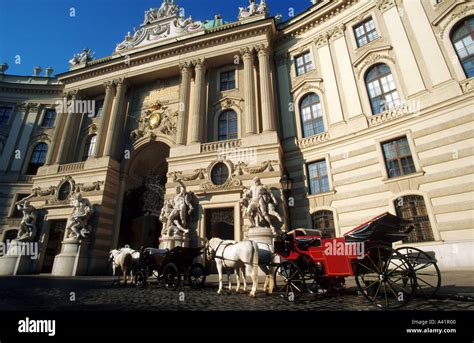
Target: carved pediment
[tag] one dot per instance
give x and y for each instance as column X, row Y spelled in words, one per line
column 371, row 56
column 307, row 85
column 160, row 24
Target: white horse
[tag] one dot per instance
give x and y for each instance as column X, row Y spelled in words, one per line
column 236, row 255
column 266, row 253
column 126, row 260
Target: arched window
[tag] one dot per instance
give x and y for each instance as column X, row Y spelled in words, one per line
column 227, row 125
column 37, row 158
column 412, row 207
column 462, row 38
column 311, row 115
column 324, row 221
column 89, row 147
column 381, row 87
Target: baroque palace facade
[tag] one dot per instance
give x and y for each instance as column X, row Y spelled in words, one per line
column 367, row 106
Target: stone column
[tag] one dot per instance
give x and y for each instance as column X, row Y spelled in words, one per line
column 26, row 132
column 268, row 122
column 14, row 132
column 183, row 102
column 101, row 133
column 197, row 110
column 329, row 79
column 64, row 148
column 249, row 95
column 117, row 119
column 345, row 70
column 430, row 50
column 54, row 141
column 402, row 48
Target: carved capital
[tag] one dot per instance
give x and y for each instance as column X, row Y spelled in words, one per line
column 199, row 63
column 121, row 82
column 321, row 40
column 384, row 5
column 263, row 50
column 247, row 53
column 108, row 85
column 185, row 67
column 337, row 32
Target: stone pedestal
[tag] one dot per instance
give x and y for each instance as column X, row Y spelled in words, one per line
column 73, row 259
column 173, row 242
column 261, row 235
column 18, row 259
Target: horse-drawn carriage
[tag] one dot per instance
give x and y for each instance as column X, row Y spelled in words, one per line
column 171, row 267
column 387, row 277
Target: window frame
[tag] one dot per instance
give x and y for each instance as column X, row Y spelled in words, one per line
column 305, row 64
column 334, row 222
column 227, row 71
column 31, row 164
column 46, row 111
column 426, row 214
column 383, row 94
column 463, row 23
column 7, row 121
column 319, row 177
column 86, row 152
column 399, row 157
column 366, row 33
column 313, row 120
column 219, row 116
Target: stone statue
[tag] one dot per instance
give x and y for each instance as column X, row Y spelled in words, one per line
column 27, row 229
column 77, row 224
column 85, row 56
column 259, row 205
column 253, row 9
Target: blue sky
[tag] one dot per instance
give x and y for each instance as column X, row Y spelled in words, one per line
column 43, row 33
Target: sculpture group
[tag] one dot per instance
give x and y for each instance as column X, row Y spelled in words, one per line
column 77, row 224
column 253, row 9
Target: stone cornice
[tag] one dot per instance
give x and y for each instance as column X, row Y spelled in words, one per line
column 191, row 45
column 31, row 89
column 315, row 19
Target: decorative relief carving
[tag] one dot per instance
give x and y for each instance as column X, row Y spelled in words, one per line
column 321, row 40
column 392, row 114
column 384, row 5
column 155, row 120
column 336, row 32
column 95, row 186
column 467, row 85
column 197, row 174
column 160, row 24
column 313, row 140
column 371, row 59
column 457, row 14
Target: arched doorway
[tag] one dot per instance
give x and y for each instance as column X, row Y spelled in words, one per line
column 144, row 196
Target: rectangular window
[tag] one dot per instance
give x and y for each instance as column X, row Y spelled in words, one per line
column 227, row 80
column 304, row 63
column 365, row 32
column 398, row 158
column 318, row 177
column 49, row 118
column 99, row 106
column 5, row 112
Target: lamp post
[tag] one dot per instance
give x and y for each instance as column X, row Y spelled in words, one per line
column 287, row 185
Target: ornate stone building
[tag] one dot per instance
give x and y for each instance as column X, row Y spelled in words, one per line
column 366, row 105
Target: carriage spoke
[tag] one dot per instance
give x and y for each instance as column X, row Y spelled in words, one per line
column 420, row 279
column 399, row 287
column 392, row 290
column 375, row 265
column 370, row 284
column 369, row 269
column 385, row 292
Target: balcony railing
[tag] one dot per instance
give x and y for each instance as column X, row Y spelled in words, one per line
column 313, row 140
column 71, row 167
column 221, row 145
column 26, row 178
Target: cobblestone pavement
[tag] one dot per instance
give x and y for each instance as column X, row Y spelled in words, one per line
column 26, row 293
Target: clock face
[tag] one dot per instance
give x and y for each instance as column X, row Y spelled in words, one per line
column 154, row 120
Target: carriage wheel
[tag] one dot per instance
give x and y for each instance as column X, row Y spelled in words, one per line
column 171, row 276
column 428, row 276
column 293, row 283
column 140, row 279
column 386, row 278
column 196, row 275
